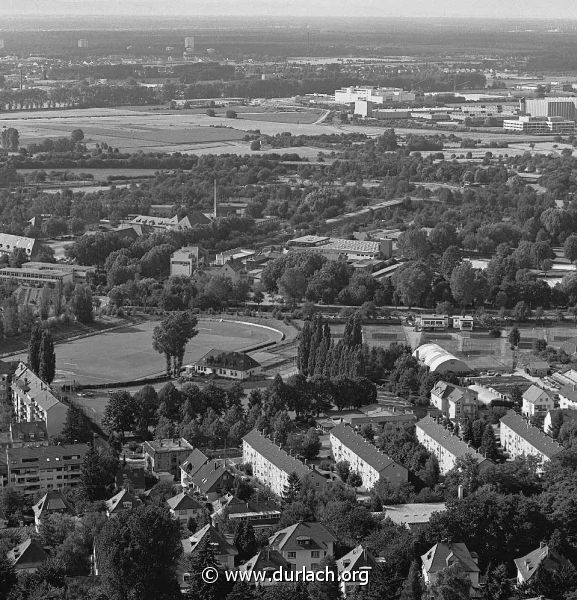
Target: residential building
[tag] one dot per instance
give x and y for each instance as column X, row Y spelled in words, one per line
column 262, row 515
column 271, row 465
column 520, row 438
column 454, row 401
column 7, row 370
column 27, row 557
column 9, row 243
column 33, row 400
column 357, row 565
column 568, row 396
column 440, row 360
column 236, row 271
column 537, row 402
column 544, row 558
column 190, row 466
column 28, row 434
column 228, row 364
column 212, row 479
column 53, row 502
column 166, row 455
column 186, row 260
column 268, row 562
column 412, row 516
column 121, row 502
column 224, row 552
column 444, row 555
column 37, row 277
column 31, row 469
column 364, row 458
column 446, row 446
column 303, row 545
column 184, row 507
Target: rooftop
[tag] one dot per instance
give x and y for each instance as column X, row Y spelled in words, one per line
column 454, row 445
column 535, row 394
column 41, row 455
column 34, row 387
column 302, row 535
column 536, row 438
column 442, row 555
column 411, row 514
column 238, row 361
column 368, row 452
column 168, row 445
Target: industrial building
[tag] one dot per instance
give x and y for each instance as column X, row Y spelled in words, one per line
column 376, row 95
column 334, row 248
column 540, row 125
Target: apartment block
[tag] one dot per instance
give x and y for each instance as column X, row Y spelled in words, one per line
column 33, row 400
column 520, row 438
column 446, row 446
column 271, row 465
column 166, row 456
column 31, row 469
column 364, row 458
column 454, row 401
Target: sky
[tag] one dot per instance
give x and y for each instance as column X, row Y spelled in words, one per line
column 516, row 9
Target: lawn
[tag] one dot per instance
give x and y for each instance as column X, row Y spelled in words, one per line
column 127, row 354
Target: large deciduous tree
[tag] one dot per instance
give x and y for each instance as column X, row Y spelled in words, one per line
column 170, row 338
column 47, row 367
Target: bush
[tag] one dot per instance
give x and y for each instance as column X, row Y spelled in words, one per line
column 326, row 465
column 495, row 333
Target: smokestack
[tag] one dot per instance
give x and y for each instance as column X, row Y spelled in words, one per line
column 215, row 202
column 460, row 492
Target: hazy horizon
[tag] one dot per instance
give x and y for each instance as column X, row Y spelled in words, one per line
column 495, row 9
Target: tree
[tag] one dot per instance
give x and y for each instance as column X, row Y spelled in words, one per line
column 47, row 368
column 201, row 561
column 146, row 404
column 514, row 337
column 343, row 469
column 292, row 285
column 488, row 444
column 451, row 584
column 570, row 248
column 76, row 135
column 11, row 319
column 497, row 584
column 412, row 588
column 97, row 477
column 292, row 489
column 326, row 590
column 8, row 577
column 411, row 281
column 170, row 338
column 10, row 139
column 34, row 348
column 414, row 244
column 81, row 304
column 77, row 428
column 355, row 480
column 231, row 114
column 255, row 145
column 463, row 283
column 245, row 540
column 18, row 258
column 120, row 413
column 138, row 552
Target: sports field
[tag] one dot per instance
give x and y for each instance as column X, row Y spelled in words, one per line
column 127, row 354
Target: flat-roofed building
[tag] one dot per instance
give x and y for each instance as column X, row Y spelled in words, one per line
column 333, row 248
column 79, row 272
column 520, row 438
column 271, row 465
column 376, row 95
column 445, row 446
column 413, row 516
column 166, row 455
column 240, row 254
column 186, row 260
column 29, row 275
column 31, row 469
column 364, row 458
column 34, row 400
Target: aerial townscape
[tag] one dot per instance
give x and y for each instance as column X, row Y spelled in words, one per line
column 288, row 301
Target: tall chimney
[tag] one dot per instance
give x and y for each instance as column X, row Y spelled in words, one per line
column 215, row 202
column 460, row 492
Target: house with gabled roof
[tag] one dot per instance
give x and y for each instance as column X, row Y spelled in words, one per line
column 541, row 558
column 444, row 555
column 235, row 271
column 365, row 458
column 263, row 565
column 224, row 551
column 568, row 396
column 27, row 557
column 447, row 448
column 520, row 438
column 272, row 466
column 304, row 545
column 357, row 565
column 53, row 502
column 224, row 363
column 122, row 501
column 212, row 479
column 184, row 507
column 454, row 401
column 537, row 402
column 191, row 465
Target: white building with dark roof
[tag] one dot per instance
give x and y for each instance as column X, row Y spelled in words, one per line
column 9, row 243
column 537, row 402
column 444, row 555
column 520, row 438
column 445, row 446
column 271, row 465
column 355, row 569
column 33, row 400
column 364, row 458
column 229, row 364
column 544, row 558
